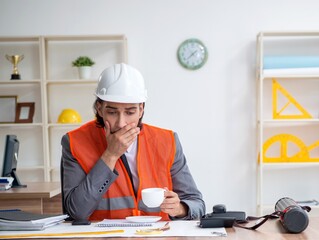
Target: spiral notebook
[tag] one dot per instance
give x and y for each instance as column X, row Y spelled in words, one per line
column 122, row 223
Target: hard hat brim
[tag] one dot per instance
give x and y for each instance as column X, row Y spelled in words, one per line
column 121, row 99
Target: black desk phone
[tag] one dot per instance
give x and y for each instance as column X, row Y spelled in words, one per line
column 221, row 218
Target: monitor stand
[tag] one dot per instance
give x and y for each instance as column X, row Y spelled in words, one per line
column 16, row 182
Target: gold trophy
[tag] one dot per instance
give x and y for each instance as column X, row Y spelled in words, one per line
column 15, row 59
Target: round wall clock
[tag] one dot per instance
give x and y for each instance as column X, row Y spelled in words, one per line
column 192, row 54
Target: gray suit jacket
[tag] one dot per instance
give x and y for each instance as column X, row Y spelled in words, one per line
column 82, row 192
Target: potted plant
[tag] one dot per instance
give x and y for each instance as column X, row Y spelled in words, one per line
column 84, row 65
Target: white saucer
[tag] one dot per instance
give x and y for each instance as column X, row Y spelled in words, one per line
column 142, row 219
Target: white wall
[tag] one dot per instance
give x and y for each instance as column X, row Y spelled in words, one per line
column 212, row 109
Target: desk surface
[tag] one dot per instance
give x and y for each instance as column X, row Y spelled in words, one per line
column 271, row 230
column 33, row 190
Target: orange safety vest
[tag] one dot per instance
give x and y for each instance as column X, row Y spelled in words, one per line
column 155, row 156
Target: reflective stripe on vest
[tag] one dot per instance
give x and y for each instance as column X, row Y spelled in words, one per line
column 155, row 156
column 122, row 203
column 116, row 203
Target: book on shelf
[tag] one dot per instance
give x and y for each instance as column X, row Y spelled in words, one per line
column 6, row 183
column 16, row 219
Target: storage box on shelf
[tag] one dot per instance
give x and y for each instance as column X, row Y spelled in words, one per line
column 287, row 117
column 49, row 80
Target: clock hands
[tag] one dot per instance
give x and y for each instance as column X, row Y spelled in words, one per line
column 192, row 54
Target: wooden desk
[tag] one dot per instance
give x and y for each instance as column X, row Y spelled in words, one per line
column 271, row 230
column 37, row 197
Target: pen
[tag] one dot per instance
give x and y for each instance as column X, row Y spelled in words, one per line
column 9, row 210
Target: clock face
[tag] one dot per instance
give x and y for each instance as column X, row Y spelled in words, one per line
column 192, row 54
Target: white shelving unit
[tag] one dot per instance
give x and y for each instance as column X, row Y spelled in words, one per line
column 49, row 80
column 297, row 180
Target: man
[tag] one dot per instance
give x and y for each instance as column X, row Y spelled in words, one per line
column 107, row 162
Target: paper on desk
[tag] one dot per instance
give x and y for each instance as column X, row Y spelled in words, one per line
column 189, row 229
column 177, row 229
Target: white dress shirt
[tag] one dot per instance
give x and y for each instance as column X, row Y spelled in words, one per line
column 131, row 159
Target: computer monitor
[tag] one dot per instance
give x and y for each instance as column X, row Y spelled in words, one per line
column 10, row 160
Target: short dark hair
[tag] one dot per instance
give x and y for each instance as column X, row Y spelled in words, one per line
column 99, row 120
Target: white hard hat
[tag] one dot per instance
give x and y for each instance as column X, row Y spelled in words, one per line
column 121, row 83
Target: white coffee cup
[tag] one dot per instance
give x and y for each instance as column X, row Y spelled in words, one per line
column 153, row 197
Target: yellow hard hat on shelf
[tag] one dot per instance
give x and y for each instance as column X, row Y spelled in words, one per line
column 69, row 116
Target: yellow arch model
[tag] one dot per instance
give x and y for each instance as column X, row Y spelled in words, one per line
column 284, row 139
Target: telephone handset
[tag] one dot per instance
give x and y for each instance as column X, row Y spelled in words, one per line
column 222, row 218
